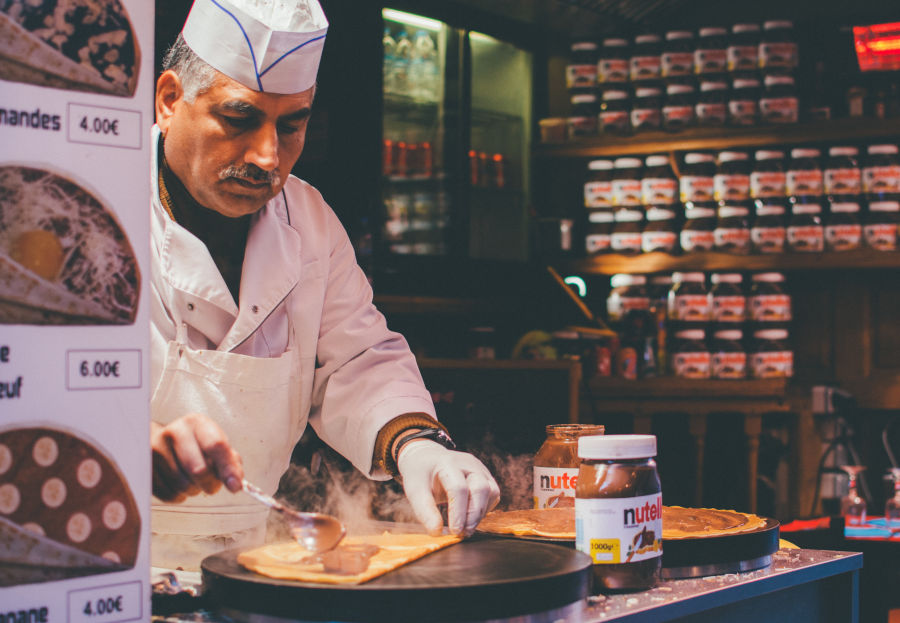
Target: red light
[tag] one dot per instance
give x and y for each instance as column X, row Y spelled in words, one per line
column 877, row 46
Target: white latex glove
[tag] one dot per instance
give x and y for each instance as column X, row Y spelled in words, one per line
column 431, row 473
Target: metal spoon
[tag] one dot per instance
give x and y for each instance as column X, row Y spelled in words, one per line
column 314, row 531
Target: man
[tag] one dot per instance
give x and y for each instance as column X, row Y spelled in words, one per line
column 261, row 318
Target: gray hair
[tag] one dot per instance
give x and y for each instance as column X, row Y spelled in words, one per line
column 196, row 74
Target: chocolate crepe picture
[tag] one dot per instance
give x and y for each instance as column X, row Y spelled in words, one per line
column 64, row 258
column 79, row 45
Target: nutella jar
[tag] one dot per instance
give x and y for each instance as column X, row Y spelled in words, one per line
column 697, row 182
column 711, row 56
column 660, row 232
column 581, row 72
column 881, row 171
column 768, row 178
column 732, row 179
column 627, row 233
column 598, row 235
column 769, row 303
column 804, row 175
column 646, row 111
column 778, row 47
column 729, row 358
column 659, row 186
column 743, row 48
column 805, row 231
column 598, row 189
column 732, row 232
column 743, row 102
column 645, row 58
column 728, row 305
column 583, row 121
column 880, row 225
column 779, row 103
column 841, row 175
column 769, row 230
column 629, row 293
column 843, row 228
column 556, row 464
column 770, row 355
column 678, row 54
column 711, row 108
column 613, row 64
column 627, row 181
column 689, row 304
column 699, row 225
column 691, row 358
column 615, row 112
column 618, row 511
column 678, row 111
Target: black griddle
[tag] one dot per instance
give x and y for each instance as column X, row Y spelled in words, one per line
column 479, row 578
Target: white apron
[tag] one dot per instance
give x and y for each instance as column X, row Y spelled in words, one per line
column 254, row 401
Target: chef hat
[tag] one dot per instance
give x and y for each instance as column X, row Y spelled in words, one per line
column 272, row 46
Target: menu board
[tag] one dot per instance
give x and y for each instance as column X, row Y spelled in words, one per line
column 76, row 94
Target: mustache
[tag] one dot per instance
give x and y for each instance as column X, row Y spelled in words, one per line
column 252, row 173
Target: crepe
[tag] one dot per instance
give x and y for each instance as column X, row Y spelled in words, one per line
column 64, row 258
column 678, row 522
column 291, row 561
column 81, row 45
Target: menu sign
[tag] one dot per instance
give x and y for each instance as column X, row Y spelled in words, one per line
column 76, row 88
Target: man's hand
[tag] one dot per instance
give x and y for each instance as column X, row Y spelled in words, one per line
column 190, row 455
column 431, row 473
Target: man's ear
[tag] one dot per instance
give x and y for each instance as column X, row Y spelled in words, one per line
column 169, row 94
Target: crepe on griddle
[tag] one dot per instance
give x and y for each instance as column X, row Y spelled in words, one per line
column 678, row 522
column 291, row 561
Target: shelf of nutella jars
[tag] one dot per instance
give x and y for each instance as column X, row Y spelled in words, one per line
column 694, row 325
column 767, row 201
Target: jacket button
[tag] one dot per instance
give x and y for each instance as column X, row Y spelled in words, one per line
column 254, row 309
column 190, row 306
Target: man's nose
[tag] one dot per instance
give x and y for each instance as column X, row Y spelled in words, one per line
column 263, row 148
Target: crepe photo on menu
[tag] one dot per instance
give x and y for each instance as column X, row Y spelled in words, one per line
column 64, row 258
column 80, row 45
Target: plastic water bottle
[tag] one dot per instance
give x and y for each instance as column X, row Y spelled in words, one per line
column 402, row 58
column 388, row 68
column 423, row 71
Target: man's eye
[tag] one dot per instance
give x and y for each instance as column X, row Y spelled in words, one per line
column 238, row 122
column 288, row 129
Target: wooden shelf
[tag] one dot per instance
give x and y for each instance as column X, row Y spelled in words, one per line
column 712, row 261
column 498, row 364
column 829, row 132
column 668, row 387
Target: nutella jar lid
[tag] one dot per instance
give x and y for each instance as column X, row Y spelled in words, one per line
column 600, row 165
column 847, row 207
column 726, row 278
column 713, row 31
column 768, row 277
column 688, row 277
column 731, row 156
column 713, row 86
column 584, row 98
column 775, row 24
column 805, row 152
column 843, row 151
column 647, row 92
column 655, row 215
column 661, row 280
column 628, row 216
column 745, row 83
column 583, row 46
column 614, row 95
column 627, row 163
column 648, row 38
column 615, row 42
column 729, row 334
column 617, row 446
column 695, row 157
column 656, row 161
column 882, row 149
column 675, row 89
column 884, row 206
column 773, row 80
column 691, row 334
column 620, row 280
column 673, row 35
column 740, row 28
column 769, row 154
column 771, row 334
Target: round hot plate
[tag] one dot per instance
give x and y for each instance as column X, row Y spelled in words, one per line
column 479, row 578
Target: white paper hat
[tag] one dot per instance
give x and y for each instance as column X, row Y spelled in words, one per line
column 272, row 46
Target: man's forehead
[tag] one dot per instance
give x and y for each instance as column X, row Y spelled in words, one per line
column 229, row 93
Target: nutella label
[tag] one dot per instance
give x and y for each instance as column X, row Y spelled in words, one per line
column 612, row 70
column 582, row 126
column 729, row 365
column 659, row 190
column 768, row 184
column 689, row 307
column 781, row 54
column 678, row 115
column 773, row 364
column 733, row 187
column 843, row 181
column 742, row 112
column 770, row 308
column 692, row 365
column 779, row 109
column 697, row 188
column 658, row 241
column 697, row 240
column 598, row 194
column 712, row 114
column 742, row 57
column 804, row 182
column 645, row 67
column 645, row 118
column 554, row 487
column 843, row 237
column 734, row 239
column 710, row 61
column 597, row 243
column 729, row 308
column 806, row 237
column 619, row 530
column 581, row 75
column 882, row 179
column 627, row 192
column 626, row 241
column 881, row 236
column 618, row 306
column 677, row 64
column 768, row 239
column 613, row 120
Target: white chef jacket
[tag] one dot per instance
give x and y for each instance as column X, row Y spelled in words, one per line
column 299, row 274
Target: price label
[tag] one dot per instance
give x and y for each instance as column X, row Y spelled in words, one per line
column 106, row 604
column 98, row 125
column 103, row 369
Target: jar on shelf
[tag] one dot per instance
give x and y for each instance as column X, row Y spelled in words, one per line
column 743, row 48
column 583, row 121
column 768, row 231
column 881, row 170
column 712, row 103
column 769, row 302
column 627, row 176
column 805, row 230
column 689, row 304
column 678, row 54
column 768, row 179
column 711, row 56
column 691, row 357
column 598, row 188
column 732, row 232
column 645, row 58
column 841, row 175
column 556, row 464
column 770, row 356
column 627, row 234
column 660, row 231
column 728, row 304
column 779, row 103
column 732, row 179
column 778, row 46
column 598, row 234
column 482, row 343
column 613, row 64
column 804, row 173
column 729, row 357
column 678, row 110
column 743, row 102
column 697, row 181
column 843, row 228
column 581, row 72
column 699, row 225
column 629, row 293
column 659, row 185
column 646, row 111
column 880, row 224
column 615, row 112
